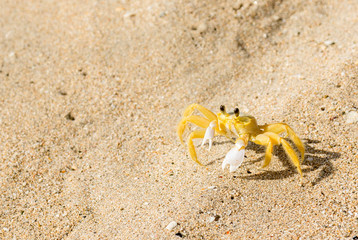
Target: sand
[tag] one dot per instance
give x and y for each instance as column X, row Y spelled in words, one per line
column 91, row 94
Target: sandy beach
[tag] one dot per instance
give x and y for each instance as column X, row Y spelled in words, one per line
column 91, row 93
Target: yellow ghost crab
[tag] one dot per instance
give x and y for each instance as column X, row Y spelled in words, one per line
column 242, row 127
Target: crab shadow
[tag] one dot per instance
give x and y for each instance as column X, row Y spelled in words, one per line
column 315, row 159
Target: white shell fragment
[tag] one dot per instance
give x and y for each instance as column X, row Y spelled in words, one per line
column 234, row 157
column 352, row 117
column 329, row 42
column 171, row 225
column 209, row 134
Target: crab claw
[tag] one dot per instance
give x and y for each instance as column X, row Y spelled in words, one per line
column 209, row 134
column 235, row 156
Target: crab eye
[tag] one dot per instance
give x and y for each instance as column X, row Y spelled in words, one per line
column 222, row 108
column 237, row 112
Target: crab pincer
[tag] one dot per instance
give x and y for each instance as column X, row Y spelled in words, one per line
column 235, row 156
column 209, row 134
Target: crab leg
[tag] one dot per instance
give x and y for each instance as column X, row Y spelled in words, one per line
column 206, row 112
column 195, row 134
column 198, row 120
column 283, row 127
column 270, row 138
column 291, row 153
column 268, row 154
column 265, row 140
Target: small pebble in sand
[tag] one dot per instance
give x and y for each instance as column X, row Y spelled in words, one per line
column 352, row 117
column 329, row 42
column 11, row 54
column 179, row 234
column 63, row 93
column 129, row 14
column 171, row 225
column 215, row 218
column 202, row 28
column 69, row 116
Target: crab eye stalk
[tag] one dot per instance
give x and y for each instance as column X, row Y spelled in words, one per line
column 237, row 112
column 222, row 108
